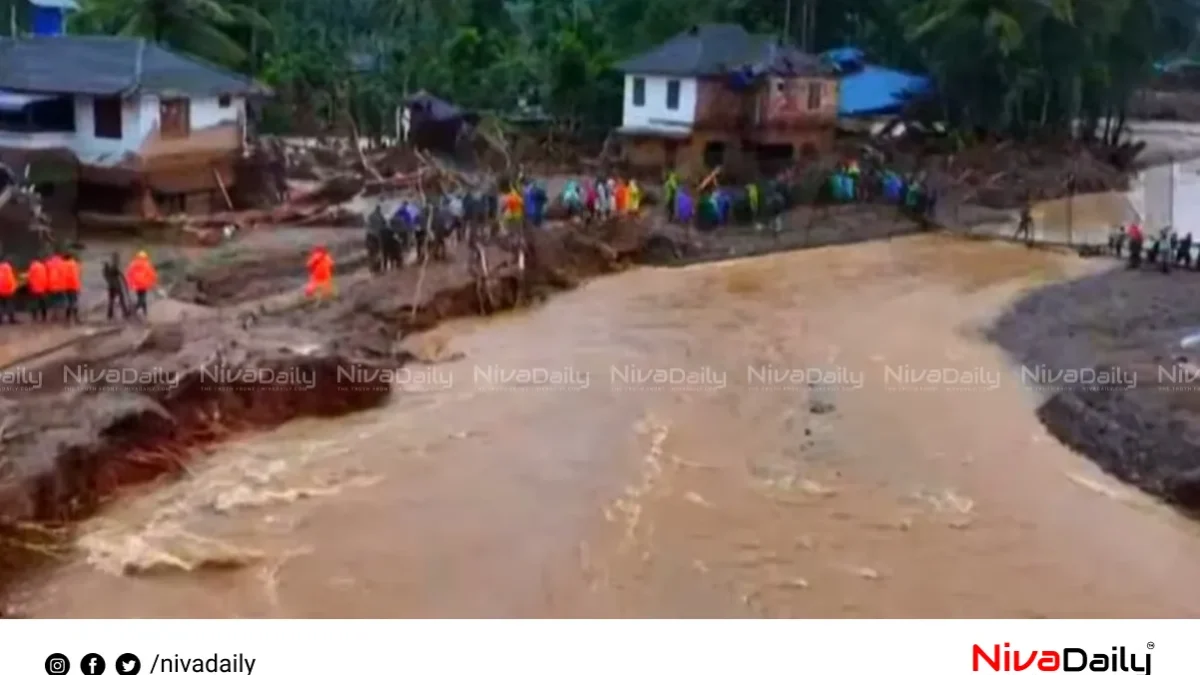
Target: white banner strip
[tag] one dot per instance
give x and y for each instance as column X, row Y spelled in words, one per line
column 367, row 647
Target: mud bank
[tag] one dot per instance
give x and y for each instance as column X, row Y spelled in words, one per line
column 132, row 405
column 1142, row 422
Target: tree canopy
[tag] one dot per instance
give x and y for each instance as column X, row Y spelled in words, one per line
column 1001, row 66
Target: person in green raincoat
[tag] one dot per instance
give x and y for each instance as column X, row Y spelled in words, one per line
column 752, row 198
column 671, row 188
column 709, row 213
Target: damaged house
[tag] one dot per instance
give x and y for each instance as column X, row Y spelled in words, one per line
column 120, row 125
column 718, row 95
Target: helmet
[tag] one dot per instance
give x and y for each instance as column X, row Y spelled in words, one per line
column 142, row 254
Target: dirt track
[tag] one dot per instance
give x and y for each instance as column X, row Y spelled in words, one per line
column 1128, row 325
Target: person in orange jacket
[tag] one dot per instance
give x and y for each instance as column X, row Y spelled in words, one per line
column 320, row 273
column 38, row 283
column 8, row 292
column 621, row 197
column 141, row 277
column 55, row 282
column 72, row 285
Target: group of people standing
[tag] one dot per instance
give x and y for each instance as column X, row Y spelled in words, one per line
column 602, row 198
column 49, row 288
column 1167, row 249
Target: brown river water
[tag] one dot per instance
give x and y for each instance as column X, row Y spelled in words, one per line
column 864, row 497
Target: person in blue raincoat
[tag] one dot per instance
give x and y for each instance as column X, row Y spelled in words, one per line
column 683, row 206
column 724, row 205
column 535, row 203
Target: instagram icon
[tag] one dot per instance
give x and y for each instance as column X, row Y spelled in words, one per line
column 57, row 664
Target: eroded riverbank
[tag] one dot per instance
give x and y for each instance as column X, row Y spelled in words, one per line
column 472, row 498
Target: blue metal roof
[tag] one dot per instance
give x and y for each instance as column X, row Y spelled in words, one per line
column 55, row 4
column 871, row 90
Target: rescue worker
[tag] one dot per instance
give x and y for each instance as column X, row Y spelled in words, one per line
column 8, row 292
column 117, row 289
column 55, row 283
column 1136, row 240
column 141, row 277
column 72, row 285
column 320, row 273
column 38, row 285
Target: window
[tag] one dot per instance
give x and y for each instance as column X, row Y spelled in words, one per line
column 174, row 116
column 225, row 101
column 672, row 94
column 639, row 91
column 106, row 117
column 40, row 114
column 814, row 95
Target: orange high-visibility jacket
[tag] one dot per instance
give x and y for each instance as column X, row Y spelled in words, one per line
column 320, row 266
column 8, row 281
column 72, row 280
column 141, row 275
column 37, row 278
column 54, row 274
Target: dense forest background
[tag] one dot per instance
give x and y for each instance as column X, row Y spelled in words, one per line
column 1002, row 66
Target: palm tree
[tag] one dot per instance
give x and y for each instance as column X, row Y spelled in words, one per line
column 201, row 27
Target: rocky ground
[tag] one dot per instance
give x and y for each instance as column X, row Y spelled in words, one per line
column 1127, row 324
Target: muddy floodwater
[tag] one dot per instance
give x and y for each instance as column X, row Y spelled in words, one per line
column 765, row 437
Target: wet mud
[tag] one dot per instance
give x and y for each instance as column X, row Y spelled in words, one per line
column 1141, row 421
column 133, row 404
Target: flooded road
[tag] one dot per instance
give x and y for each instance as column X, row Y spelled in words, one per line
column 750, row 438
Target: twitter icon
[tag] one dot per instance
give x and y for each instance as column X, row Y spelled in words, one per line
column 128, row 664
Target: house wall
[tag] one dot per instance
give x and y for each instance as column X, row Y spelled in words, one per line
column 654, row 114
column 719, row 107
column 139, row 132
column 784, row 102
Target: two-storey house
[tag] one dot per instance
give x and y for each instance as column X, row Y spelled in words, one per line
column 716, row 93
column 127, row 125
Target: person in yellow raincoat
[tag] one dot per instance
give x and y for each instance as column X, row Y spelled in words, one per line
column 635, row 196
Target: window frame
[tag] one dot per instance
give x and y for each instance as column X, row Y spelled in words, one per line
column 108, row 126
column 674, row 87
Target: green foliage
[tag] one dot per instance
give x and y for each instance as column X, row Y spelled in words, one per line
column 1002, row 66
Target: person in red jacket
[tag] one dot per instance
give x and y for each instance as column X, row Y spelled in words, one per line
column 55, row 283
column 72, row 285
column 37, row 279
column 141, row 277
column 1136, row 240
column 8, row 292
column 320, row 273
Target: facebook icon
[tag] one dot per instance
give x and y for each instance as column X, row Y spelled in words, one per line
column 92, row 664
